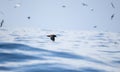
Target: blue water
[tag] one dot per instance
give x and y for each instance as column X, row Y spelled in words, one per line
column 96, row 52
column 46, row 67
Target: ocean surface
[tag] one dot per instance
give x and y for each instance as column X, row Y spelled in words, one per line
column 30, row 50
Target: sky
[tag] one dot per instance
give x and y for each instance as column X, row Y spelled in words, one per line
column 61, row 14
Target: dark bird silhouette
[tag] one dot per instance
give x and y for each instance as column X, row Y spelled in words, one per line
column 64, row 6
column 94, row 26
column 1, row 23
column 84, row 4
column 92, row 9
column 28, row 17
column 52, row 37
column 112, row 5
column 112, row 16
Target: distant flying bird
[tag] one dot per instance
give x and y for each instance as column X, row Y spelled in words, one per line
column 64, row 6
column 112, row 16
column 52, row 37
column 92, row 9
column 112, row 5
column 28, row 17
column 94, row 26
column 1, row 23
column 84, row 4
column 17, row 5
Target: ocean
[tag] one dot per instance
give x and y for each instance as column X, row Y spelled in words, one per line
column 30, row 50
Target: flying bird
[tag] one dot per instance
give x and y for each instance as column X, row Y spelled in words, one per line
column 28, row 17
column 52, row 37
column 94, row 26
column 92, row 9
column 84, row 4
column 17, row 5
column 112, row 16
column 1, row 23
column 112, row 5
column 63, row 6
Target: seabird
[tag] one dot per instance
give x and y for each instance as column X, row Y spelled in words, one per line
column 52, row 37
column 84, row 4
column 1, row 23
column 28, row 17
column 95, row 26
column 112, row 5
column 63, row 6
column 92, row 9
column 112, row 16
column 17, row 5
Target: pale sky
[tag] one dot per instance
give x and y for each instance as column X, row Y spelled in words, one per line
column 50, row 14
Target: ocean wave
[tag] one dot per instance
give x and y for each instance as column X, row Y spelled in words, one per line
column 21, row 51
